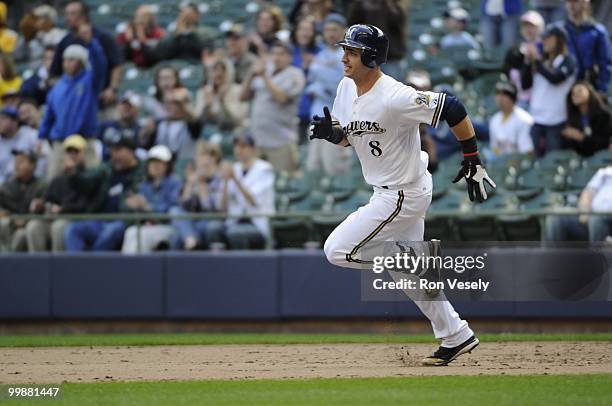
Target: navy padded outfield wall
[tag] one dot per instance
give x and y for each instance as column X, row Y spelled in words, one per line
column 270, row 285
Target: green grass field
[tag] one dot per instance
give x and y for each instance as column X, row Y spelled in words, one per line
column 445, row 390
column 483, row 390
column 265, row 338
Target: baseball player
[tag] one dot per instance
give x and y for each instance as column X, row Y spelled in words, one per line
column 380, row 117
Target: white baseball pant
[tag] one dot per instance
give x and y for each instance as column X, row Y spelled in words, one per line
column 395, row 214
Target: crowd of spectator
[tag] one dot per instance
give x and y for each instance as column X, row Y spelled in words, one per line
column 72, row 143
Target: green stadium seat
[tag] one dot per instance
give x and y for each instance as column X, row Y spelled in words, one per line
column 439, row 225
column 600, row 159
column 565, row 158
column 341, row 187
column 441, row 228
column 550, row 177
column 485, row 228
column 528, row 227
column 290, row 232
column 578, row 179
column 477, row 228
column 520, row 228
column 544, row 201
column 324, row 225
column 356, row 200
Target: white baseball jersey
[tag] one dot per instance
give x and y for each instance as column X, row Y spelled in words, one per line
column 383, row 127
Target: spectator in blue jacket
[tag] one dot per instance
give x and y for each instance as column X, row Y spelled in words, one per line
column 305, row 48
column 158, row 193
column 326, row 71
column 72, row 104
column 588, row 44
column 499, row 23
column 76, row 18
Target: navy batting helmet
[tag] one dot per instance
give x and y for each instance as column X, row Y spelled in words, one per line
column 373, row 43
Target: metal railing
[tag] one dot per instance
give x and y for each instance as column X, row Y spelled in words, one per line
column 138, row 219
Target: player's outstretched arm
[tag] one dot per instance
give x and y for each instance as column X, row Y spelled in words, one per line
column 471, row 168
column 326, row 129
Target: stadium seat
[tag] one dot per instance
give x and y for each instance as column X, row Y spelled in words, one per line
column 439, row 222
column 549, row 177
column 477, row 228
column 485, row 228
column 290, row 232
column 600, row 159
column 565, row 158
column 578, row 179
column 441, row 228
column 528, row 227
column 324, row 225
column 356, row 200
column 520, row 228
column 341, row 187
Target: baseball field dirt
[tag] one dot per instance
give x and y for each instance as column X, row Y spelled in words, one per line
column 234, row 362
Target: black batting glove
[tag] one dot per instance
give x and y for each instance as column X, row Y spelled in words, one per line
column 475, row 176
column 323, row 128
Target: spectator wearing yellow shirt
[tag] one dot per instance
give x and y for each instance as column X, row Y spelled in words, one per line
column 10, row 82
column 8, row 37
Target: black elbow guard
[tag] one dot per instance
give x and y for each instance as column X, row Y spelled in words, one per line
column 453, row 111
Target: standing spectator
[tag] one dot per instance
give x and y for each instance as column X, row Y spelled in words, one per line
column 38, row 85
column 125, row 172
column 157, row 194
column 125, row 126
column 8, row 37
column 275, row 92
column 46, row 35
column 510, row 127
column 305, row 48
column 596, row 197
column 268, row 24
column 499, row 23
column 589, row 121
column 16, row 196
column 76, row 18
column 72, row 191
column 10, row 82
column 201, row 194
column 237, row 48
column 457, row 37
column 588, row 43
column 166, row 81
column 140, row 39
column 326, row 71
column 178, row 131
column 13, row 137
column 532, row 26
column 72, row 103
column 218, row 101
column 188, row 40
column 550, row 76
column 248, row 191
column 550, row 10
column 390, row 17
